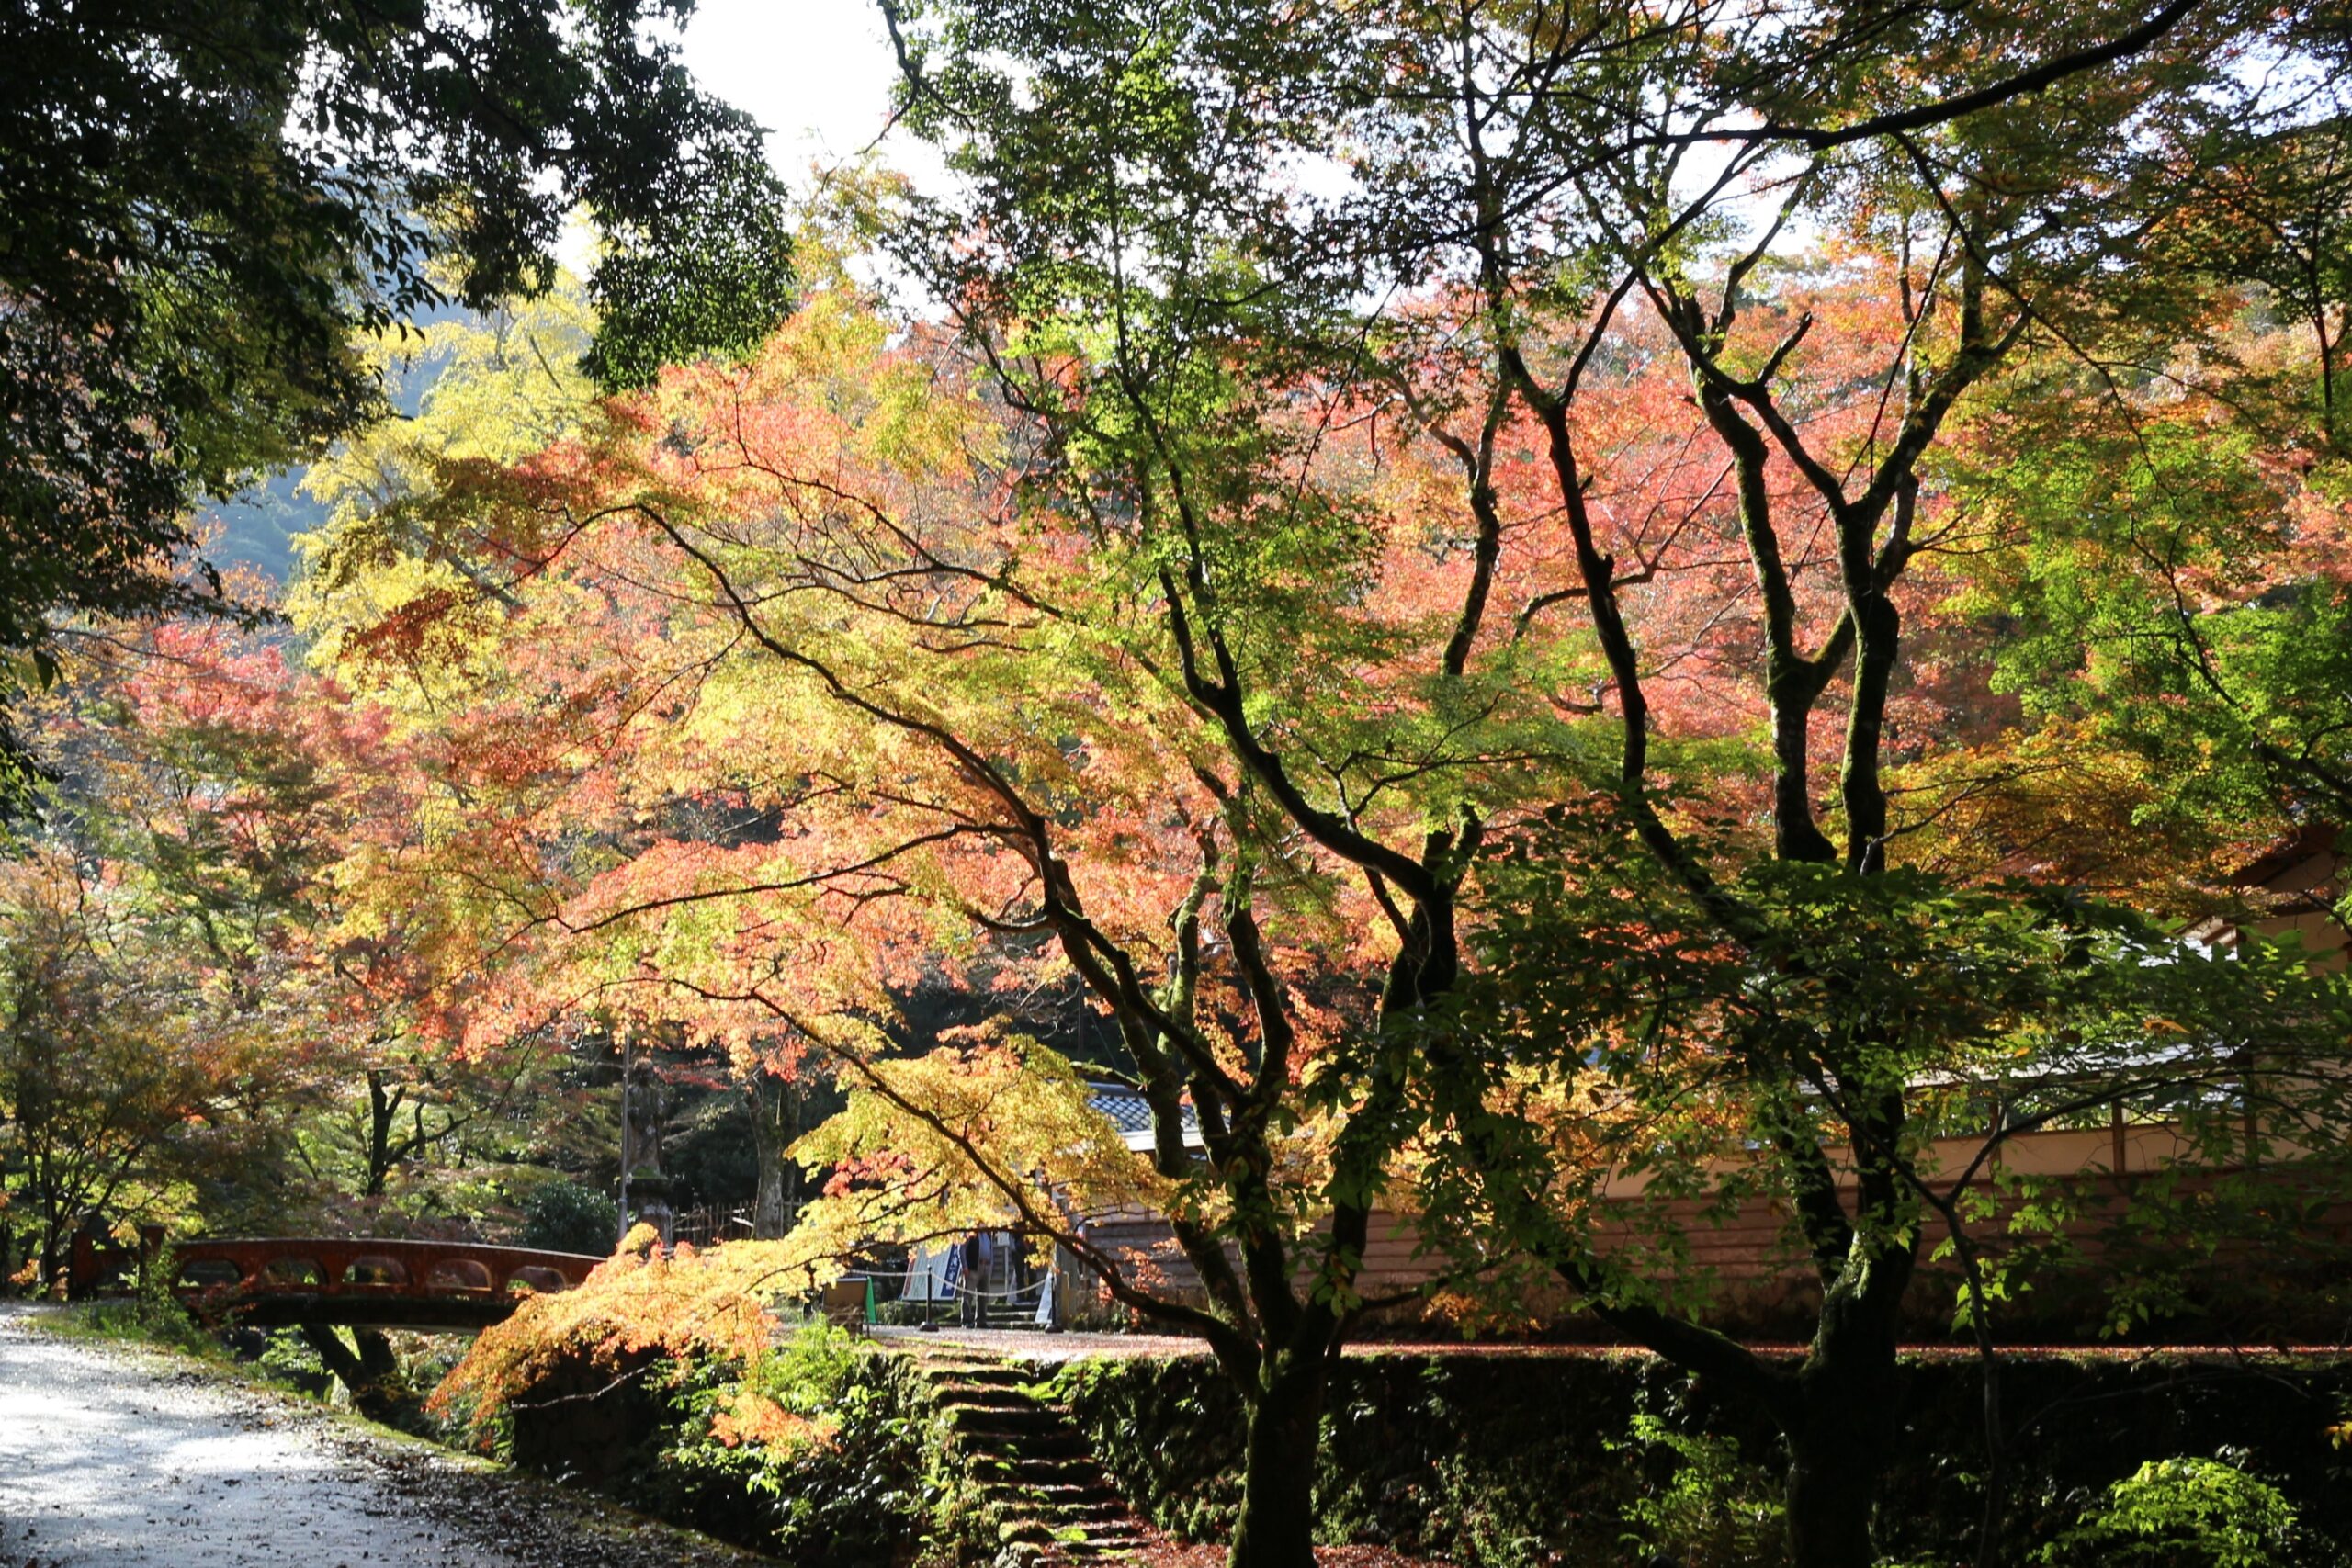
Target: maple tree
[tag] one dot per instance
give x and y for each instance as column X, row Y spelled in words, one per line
column 103, row 1063
column 158, row 1019
column 2175, row 563
column 802, row 599
column 210, row 1026
column 1176, row 663
column 1830, row 245
column 217, row 806
column 1958, row 278
column 1445, row 589
column 243, row 790
column 642, row 1302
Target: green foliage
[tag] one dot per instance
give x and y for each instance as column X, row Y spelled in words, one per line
column 2184, row 1513
column 1168, row 1433
column 818, row 1448
column 110, row 1042
column 565, row 1216
column 1714, row 1509
column 290, row 1359
column 2168, row 583
column 839, row 1482
column 713, row 277
column 202, row 205
column 150, row 1316
column 1909, row 987
column 1494, row 1463
column 1506, row 1461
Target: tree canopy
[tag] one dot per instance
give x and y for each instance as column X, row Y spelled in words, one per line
column 200, row 209
column 1558, row 623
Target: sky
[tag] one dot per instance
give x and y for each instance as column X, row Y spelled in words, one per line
column 817, row 73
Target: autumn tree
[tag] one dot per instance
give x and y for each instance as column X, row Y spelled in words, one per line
column 1830, row 407
column 209, row 1028
column 2173, row 550
column 1834, row 237
column 108, row 1074
column 801, row 594
column 199, row 209
column 236, row 803
column 1290, row 525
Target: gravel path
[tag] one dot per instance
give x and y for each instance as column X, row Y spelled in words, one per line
column 128, row 1458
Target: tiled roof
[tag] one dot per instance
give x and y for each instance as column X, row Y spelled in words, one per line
column 1131, row 1114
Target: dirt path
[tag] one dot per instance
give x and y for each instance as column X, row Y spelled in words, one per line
column 114, row 1456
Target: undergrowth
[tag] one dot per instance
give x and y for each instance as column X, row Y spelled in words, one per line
column 151, row 1315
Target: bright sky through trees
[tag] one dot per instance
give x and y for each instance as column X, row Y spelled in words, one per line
column 817, row 73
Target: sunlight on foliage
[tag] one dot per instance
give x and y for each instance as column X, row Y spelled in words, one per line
column 2183, row 1512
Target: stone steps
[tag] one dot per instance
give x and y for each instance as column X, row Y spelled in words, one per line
column 1031, row 1465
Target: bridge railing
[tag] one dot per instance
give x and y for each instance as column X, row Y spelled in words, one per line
column 369, row 1266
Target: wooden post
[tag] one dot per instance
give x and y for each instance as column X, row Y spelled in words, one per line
column 81, row 1265
column 629, row 1126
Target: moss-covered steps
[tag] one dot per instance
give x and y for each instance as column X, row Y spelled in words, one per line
column 1031, row 1464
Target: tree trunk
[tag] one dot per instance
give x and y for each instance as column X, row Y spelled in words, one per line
column 1831, row 1485
column 379, row 1392
column 1276, row 1529
column 1840, row 1434
column 382, row 1106
column 773, row 1127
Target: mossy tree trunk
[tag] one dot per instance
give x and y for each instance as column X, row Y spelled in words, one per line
column 776, row 1121
column 1276, row 1526
column 1841, row 1432
column 380, row 1389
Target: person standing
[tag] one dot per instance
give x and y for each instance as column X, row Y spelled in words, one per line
column 975, row 1265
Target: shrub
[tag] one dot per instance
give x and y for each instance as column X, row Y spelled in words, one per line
column 814, row 1450
column 2183, row 1512
column 1493, row 1461
column 564, row 1216
column 659, row 1380
column 1713, row 1508
column 289, row 1359
column 1506, row 1461
column 151, row 1314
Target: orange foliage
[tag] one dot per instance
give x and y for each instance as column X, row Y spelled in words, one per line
column 638, row 1306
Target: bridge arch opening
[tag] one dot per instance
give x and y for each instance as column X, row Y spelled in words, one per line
column 293, row 1274
column 373, row 1269
column 534, row 1278
column 457, row 1274
column 206, row 1274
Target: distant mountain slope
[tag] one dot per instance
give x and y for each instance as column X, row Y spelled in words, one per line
column 258, row 524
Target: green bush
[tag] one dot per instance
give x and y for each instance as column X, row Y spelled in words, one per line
column 288, row 1358
column 1491, row 1461
column 820, row 1451
column 2183, row 1512
column 815, row 1451
column 1495, row 1461
column 1713, row 1508
column 564, row 1216
column 151, row 1315
column 1520, row 1461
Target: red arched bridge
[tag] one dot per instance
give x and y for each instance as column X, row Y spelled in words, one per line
column 365, row 1282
